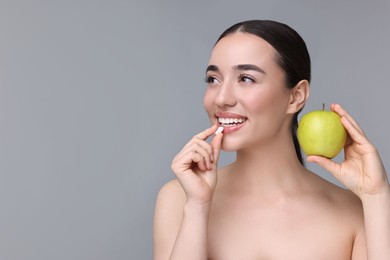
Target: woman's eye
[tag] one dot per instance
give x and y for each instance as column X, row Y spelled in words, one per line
column 246, row 79
column 210, row 79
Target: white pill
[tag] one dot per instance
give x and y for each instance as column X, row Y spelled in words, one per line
column 219, row 130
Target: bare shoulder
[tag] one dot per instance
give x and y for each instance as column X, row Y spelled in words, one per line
column 171, row 190
column 341, row 202
column 347, row 212
column 170, row 200
column 341, row 197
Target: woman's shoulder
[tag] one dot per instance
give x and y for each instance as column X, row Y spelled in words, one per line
column 168, row 209
column 341, row 200
column 171, row 193
column 170, row 201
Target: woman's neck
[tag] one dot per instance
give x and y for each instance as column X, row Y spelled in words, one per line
column 267, row 168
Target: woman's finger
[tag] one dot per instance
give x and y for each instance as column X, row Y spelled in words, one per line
column 355, row 134
column 196, row 151
column 206, row 133
column 205, row 153
column 198, row 142
column 200, row 162
column 201, row 139
column 201, row 147
column 216, row 143
column 343, row 113
column 187, row 160
column 327, row 164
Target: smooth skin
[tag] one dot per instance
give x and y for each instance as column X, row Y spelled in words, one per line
column 266, row 205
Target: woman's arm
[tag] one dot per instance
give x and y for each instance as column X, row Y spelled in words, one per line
column 191, row 240
column 182, row 207
column 362, row 171
column 180, row 228
column 377, row 225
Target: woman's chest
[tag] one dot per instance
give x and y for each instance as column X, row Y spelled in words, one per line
column 289, row 232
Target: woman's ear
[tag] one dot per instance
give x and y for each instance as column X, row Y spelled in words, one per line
column 299, row 94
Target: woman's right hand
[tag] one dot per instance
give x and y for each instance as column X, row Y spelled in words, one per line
column 196, row 166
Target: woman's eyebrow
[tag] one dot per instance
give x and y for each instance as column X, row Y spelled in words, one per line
column 248, row 67
column 212, row 68
column 238, row 67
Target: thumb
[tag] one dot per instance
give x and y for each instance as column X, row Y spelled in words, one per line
column 327, row 164
column 216, row 146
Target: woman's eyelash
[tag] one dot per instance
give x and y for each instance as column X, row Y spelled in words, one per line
column 241, row 78
column 246, row 78
column 209, row 79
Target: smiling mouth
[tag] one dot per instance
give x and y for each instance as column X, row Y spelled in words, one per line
column 226, row 122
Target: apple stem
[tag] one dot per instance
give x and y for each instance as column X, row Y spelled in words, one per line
column 323, row 106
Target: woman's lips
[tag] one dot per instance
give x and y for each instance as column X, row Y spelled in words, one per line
column 231, row 122
column 227, row 129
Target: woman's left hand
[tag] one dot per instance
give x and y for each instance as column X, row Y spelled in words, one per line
column 362, row 170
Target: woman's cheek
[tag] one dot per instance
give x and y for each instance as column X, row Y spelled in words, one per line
column 255, row 103
column 208, row 102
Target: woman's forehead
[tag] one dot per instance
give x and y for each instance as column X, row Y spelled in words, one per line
column 242, row 48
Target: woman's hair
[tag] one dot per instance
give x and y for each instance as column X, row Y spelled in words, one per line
column 292, row 56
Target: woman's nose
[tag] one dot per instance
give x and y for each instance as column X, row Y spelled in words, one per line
column 225, row 96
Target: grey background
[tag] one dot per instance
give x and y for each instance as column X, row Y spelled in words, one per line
column 96, row 97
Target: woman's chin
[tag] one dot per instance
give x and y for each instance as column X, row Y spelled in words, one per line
column 229, row 146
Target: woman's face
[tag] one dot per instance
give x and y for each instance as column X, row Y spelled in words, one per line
column 246, row 92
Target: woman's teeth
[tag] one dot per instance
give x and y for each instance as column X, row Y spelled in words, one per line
column 231, row 121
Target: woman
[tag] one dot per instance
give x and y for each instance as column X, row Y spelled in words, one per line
column 267, row 205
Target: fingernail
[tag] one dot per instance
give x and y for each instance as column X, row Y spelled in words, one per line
column 212, row 157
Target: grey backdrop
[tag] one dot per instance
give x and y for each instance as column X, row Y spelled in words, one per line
column 96, row 97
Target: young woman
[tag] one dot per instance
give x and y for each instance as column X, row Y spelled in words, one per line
column 266, row 204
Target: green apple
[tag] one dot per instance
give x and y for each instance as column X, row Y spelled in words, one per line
column 321, row 133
